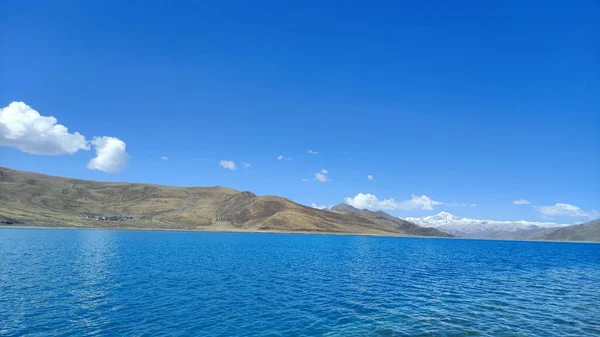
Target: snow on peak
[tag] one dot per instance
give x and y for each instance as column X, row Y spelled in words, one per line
column 460, row 226
column 443, row 216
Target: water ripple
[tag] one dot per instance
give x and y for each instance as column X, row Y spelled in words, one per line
column 92, row 282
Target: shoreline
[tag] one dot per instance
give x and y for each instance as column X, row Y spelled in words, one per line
column 24, row 226
column 276, row 232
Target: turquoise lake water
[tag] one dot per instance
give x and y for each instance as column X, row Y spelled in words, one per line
column 136, row 283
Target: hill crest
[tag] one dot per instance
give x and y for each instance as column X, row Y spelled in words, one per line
column 41, row 200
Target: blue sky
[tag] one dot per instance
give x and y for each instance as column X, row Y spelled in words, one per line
column 464, row 103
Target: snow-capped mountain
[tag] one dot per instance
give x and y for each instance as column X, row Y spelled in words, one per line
column 488, row 229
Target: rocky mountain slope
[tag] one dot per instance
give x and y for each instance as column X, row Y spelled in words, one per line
column 486, row 229
column 40, row 200
column 589, row 231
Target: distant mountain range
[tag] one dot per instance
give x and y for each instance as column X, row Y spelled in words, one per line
column 510, row 230
column 589, row 231
column 486, row 229
column 33, row 199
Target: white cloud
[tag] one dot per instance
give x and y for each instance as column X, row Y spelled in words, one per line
column 246, row 166
column 304, row 180
column 473, row 205
column 313, row 152
column 322, row 176
column 370, row 177
column 561, row 209
column 24, row 128
column 314, row 205
column 111, row 155
column 362, row 201
column 521, row 202
column 280, row 157
column 228, row 164
column 163, row 158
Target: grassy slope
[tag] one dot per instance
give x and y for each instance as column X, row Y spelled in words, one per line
column 42, row 200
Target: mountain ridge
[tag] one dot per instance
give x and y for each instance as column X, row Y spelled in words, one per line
column 486, row 229
column 30, row 198
column 389, row 220
column 589, row 231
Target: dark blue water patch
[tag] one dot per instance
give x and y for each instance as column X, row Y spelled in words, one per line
column 101, row 282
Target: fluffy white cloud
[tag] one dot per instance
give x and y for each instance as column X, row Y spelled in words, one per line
column 370, row 177
column 521, row 202
column 322, row 176
column 280, row 157
column 228, row 164
column 24, row 128
column 362, row 201
column 111, row 156
column 312, row 152
column 314, row 205
column 561, row 209
column 163, row 158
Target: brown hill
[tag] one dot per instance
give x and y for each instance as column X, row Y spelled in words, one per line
column 589, row 231
column 389, row 221
column 40, row 200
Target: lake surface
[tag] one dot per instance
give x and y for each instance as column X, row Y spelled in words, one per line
column 102, row 282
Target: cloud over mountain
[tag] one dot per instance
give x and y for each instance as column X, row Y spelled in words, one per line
column 561, row 209
column 228, row 164
column 314, row 205
column 111, row 155
column 370, row 201
column 24, row 128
